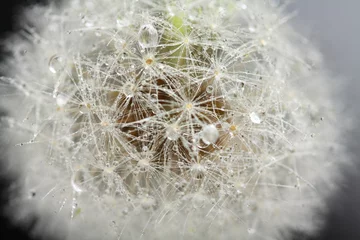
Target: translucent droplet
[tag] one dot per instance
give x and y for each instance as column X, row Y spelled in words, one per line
column 125, row 211
column 148, row 36
column 121, row 23
column 76, row 180
column 154, row 97
column 120, row 44
column 210, row 89
column 209, row 134
column 172, row 133
column 84, row 135
column 198, row 171
column 254, row 117
column 61, row 100
column 56, row 64
column 198, row 200
column 252, row 29
column 147, row 203
column 56, row 89
column 251, row 230
column 84, row 108
column 89, row 24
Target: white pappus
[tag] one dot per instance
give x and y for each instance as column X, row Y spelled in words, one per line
column 205, row 119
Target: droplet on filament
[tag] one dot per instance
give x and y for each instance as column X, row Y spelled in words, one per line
column 254, row 117
column 56, row 64
column 148, row 36
column 209, row 134
column 76, row 180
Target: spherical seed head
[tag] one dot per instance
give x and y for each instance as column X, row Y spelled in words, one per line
column 157, row 119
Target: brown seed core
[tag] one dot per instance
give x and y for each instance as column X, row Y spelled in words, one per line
column 149, row 61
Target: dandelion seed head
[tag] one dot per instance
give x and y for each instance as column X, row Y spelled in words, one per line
column 190, row 115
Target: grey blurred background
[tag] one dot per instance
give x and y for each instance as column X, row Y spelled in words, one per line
column 334, row 27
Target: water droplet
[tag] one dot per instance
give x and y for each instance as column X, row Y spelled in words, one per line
column 61, row 100
column 252, row 29
column 148, row 36
column 198, row 200
column 121, row 23
column 84, row 135
column 125, row 211
column 76, row 180
column 56, row 64
column 210, row 89
column 198, row 171
column 255, row 118
column 88, row 24
column 147, row 203
column 251, row 230
column 154, row 97
column 172, row 133
column 84, row 108
column 120, row 45
column 209, row 134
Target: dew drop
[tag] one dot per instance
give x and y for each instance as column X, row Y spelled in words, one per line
column 61, row 100
column 209, row 134
column 84, row 135
column 121, row 23
column 147, row 203
column 125, row 211
column 210, row 89
column 198, row 200
column 84, row 108
column 252, row 29
column 120, row 45
column 56, row 64
column 251, row 230
column 76, row 180
column 254, row 117
column 172, row 133
column 154, row 97
column 148, row 36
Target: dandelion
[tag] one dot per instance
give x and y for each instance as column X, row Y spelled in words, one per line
column 167, row 119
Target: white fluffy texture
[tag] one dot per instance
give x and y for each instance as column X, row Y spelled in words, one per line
column 167, row 120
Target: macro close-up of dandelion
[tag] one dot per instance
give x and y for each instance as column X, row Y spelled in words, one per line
column 167, row 120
